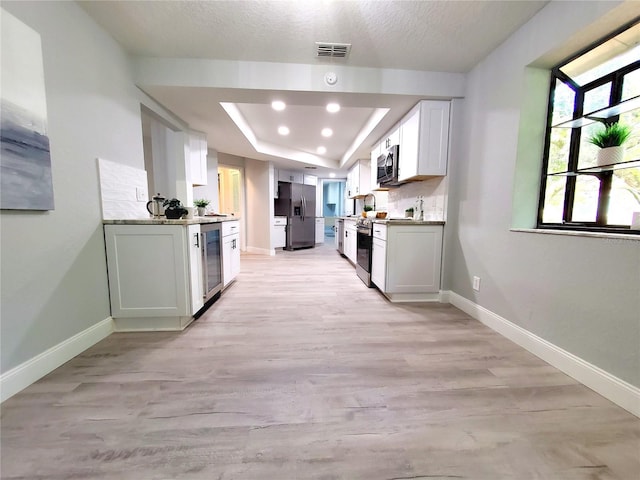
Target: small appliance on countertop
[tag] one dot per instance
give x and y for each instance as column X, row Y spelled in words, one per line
column 155, row 206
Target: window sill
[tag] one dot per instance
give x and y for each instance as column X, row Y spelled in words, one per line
column 578, row 233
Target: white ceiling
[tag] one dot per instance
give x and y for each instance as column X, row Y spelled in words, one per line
column 437, row 36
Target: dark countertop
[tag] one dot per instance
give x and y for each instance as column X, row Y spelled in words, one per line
column 164, row 221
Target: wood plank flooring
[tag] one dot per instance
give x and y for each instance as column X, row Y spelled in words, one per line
column 301, row 372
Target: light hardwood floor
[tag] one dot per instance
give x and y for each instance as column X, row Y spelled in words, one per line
column 301, row 372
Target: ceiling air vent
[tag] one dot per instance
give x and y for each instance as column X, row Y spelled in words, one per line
column 332, row 50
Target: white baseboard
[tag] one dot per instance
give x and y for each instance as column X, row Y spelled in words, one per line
column 609, row 386
column 32, row 370
column 260, row 251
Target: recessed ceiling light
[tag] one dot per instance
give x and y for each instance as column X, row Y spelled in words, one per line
column 332, row 175
column 326, row 132
column 278, row 105
column 333, row 107
column 283, row 130
column 321, row 150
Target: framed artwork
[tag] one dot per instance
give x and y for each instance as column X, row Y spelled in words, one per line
column 25, row 160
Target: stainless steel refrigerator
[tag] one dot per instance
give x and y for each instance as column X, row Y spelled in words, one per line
column 298, row 203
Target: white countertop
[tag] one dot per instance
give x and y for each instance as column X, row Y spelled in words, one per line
column 164, row 221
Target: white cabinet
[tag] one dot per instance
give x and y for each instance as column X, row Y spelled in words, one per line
column 359, row 179
column 290, row 176
column 319, row 230
column 379, row 256
column 279, row 232
column 310, row 180
column 391, row 138
column 424, row 141
column 195, row 267
column 375, row 153
column 155, row 275
column 230, row 252
column 406, row 266
column 198, row 157
column 350, row 240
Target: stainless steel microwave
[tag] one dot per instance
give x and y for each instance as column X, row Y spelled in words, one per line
column 388, row 166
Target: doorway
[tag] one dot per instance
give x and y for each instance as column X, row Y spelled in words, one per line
column 332, row 205
column 231, row 196
column 230, row 190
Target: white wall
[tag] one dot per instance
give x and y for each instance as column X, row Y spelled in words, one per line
column 581, row 294
column 259, row 194
column 54, row 280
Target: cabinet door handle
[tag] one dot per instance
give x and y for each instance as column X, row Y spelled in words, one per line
column 197, row 237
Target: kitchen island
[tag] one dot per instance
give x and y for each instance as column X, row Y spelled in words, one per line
column 164, row 273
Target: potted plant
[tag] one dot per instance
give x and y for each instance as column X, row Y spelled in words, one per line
column 365, row 209
column 174, row 209
column 201, row 205
column 408, row 213
column 610, row 141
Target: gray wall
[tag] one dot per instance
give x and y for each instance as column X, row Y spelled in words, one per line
column 581, row 294
column 54, row 281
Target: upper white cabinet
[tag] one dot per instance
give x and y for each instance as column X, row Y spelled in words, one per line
column 424, row 141
column 392, row 138
column 310, row 180
column 359, row 179
column 290, row 176
column 375, row 153
column 198, row 157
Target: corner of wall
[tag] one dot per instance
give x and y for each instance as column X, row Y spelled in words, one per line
column 530, row 150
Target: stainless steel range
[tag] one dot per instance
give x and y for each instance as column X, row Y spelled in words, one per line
column 364, row 229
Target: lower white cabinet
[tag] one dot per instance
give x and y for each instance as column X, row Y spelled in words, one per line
column 319, row 230
column 379, row 256
column 279, row 232
column 350, row 242
column 195, row 267
column 406, row 261
column 230, row 252
column 155, row 275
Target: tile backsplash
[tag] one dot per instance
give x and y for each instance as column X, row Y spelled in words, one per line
column 119, row 188
column 434, row 196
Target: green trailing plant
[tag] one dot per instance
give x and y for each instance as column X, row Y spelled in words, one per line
column 367, row 208
column 201, row 202
column 613, row 135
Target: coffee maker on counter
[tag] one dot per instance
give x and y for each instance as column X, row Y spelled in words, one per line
column 156, row 206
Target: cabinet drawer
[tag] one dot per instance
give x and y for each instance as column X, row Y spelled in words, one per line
column 279, row 220
column 229, row 228
column 380, row 231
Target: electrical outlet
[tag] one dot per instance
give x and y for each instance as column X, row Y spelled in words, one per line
column 141, row 194
column 476, row 284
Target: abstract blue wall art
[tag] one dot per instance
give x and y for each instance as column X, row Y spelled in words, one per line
column 25, row 161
